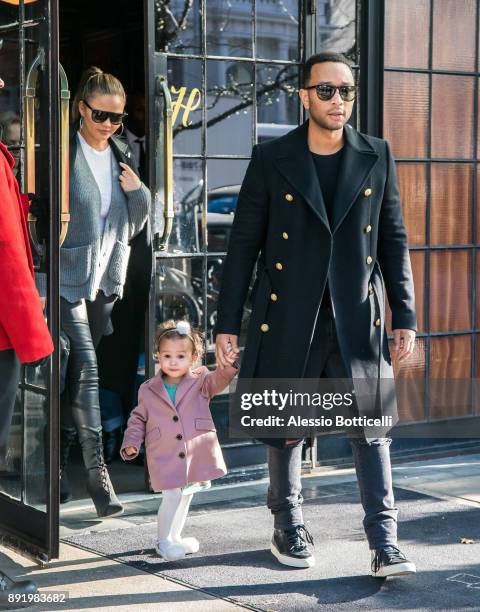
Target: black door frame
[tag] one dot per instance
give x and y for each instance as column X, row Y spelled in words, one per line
column 33, row 532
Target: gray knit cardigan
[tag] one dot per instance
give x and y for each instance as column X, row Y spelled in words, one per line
column 88, row 261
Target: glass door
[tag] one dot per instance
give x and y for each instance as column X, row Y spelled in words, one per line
column 31, row 117
column 221, row 77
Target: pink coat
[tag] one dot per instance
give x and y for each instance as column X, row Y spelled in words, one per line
column 180, row 440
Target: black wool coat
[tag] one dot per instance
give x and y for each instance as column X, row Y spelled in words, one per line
column 281, row 220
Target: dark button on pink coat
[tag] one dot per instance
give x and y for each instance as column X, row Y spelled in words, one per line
column 175, row 461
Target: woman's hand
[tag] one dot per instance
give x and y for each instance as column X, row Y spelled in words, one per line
column 130, row 450
column 128, row 179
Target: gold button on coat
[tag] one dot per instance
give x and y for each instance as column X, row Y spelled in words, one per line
column 289, row 197
column 369, row 260
column 368, row 229
column 279, row 266
column 285, row 236
column 273, row 297
column 264, row 327
column 367, row 192
column 377, row 322
column 370, row 291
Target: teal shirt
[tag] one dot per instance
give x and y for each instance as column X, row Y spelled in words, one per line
column 171, row 390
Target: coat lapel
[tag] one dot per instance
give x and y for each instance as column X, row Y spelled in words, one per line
column 159, row 389
column 295, row 162
column 358, row 160
column 184, row 386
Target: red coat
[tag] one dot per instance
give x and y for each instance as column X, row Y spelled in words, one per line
column 22, row 323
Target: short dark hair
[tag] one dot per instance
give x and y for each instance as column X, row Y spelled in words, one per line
column 320, row 58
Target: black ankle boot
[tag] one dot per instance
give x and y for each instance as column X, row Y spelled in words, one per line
column 67, row 438
column 99, row 485
column 20, row 588
column 112, row 441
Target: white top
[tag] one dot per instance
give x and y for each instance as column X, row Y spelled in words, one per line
column 100, row 163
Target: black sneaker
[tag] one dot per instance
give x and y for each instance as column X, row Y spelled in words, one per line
column 289, row 546
column 390, row 561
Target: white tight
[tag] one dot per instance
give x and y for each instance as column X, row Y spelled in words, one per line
column 172, row 514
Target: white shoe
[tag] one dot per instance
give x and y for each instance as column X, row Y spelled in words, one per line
column 170, row 551
column 191, row 545
column 390, row 561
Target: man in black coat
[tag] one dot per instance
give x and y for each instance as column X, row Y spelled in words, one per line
column 320, row 210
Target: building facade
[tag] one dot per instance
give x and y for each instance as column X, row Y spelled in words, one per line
column 213, row 78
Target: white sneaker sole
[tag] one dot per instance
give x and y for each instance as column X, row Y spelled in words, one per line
column 399, row 569
column 291, row 561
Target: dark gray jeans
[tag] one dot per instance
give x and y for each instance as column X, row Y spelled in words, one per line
column 372, row 458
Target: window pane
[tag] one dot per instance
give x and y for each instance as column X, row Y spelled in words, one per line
column 179, row 290
column 35, row 448
column 451, row 204
column 277, row 100
column 452, row 113
column 185, row 82
column 229, row 107
column 454, row 34
column 224, row 179
column 406, row 113
column 410, row 384
column 229, row 28
column 417, row 259
column 278, row 30
column 178, row 26
column 407, row 23
column 412, row 182
column 450, row 291
column 336, row 27
column 11, row 459
column 188, row 203
column 450, row 358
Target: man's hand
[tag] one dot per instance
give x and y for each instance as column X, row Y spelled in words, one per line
column 226, row 349
column 403, row 343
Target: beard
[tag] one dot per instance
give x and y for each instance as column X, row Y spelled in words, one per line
column 325, row 124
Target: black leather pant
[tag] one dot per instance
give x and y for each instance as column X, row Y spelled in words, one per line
column 84, row 323
column 9, row 377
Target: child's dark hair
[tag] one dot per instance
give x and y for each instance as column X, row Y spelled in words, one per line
column 168, row 330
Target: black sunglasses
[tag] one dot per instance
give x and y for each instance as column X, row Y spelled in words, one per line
column 100, row 116
column 326, row 92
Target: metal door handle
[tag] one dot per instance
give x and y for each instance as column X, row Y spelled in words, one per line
column 30, row 97
column 168, row 208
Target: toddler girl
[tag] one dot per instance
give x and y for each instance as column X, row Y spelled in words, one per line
column 174, row 419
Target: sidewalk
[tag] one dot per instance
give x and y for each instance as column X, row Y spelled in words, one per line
column 240, row 573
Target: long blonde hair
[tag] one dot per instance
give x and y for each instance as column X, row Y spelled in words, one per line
column 93, row 82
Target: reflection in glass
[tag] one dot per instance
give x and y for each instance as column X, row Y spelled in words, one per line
column 178, row 290
column 229, row 102
column 10, row 64
column 35, row 9
column 229, row 28
column 336, row 27
column 11, row 457
column 277, row 100
column 178, row 26
column 36, row 434
column 187, row 197
column 278, row 29
column 185, row 82
column 8, row 14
